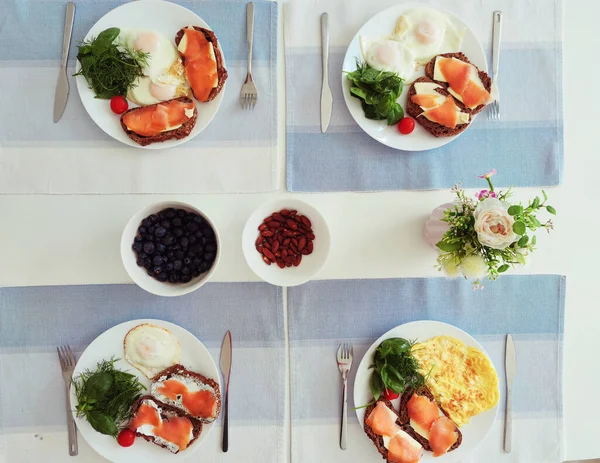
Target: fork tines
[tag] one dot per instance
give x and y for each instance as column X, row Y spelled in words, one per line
column 345, row 351
column 494, row 112
column 66, row 357
column 249, row 94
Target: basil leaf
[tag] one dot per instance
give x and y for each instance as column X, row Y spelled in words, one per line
column 395, row 114
column 394, row 380
column 98, row 385
column 394, row 346
column 104, row 39
column 376, row 385
column 102, row 423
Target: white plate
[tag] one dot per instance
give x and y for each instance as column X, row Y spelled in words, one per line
column 474, row 432
column 383, row 24
column 165, row 18
column 310, row 265
column 194, row 356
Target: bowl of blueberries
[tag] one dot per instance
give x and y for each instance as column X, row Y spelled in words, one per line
column 170, row 248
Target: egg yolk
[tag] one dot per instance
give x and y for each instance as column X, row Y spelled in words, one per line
column 146, row 42
column 387, row 54
column 162, row 92
column 428, row 32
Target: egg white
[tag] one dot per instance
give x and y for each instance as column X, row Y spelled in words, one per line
column 388, row 55
column 151, row 349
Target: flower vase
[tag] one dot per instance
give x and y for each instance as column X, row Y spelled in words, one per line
column 435, row 227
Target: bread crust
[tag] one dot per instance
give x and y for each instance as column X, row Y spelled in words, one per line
column 180, row 370
column 415, row 111
column 405, row 419
column 221, row 71
column 166, row 411
column 485, row 78
column 180, row 132
column 376, row 438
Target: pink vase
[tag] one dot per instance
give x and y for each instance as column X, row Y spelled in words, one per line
column 435, row 227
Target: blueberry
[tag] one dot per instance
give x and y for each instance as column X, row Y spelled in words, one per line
column 137, row 246
column 166, row 224
column 150, row 272
column 195, row 273
column 204, row 266
column 153, row 218
column 160, row 248
column 168, row 240
column 179, row 254
column 151, row 230
column 140, row 262
column 170, row 213
column 142, row 255
column 158, row 270
column 211, row 247
column 192, row 227
column 149, row 238
column 170, row 255
column 158, row 260
column 173, row 278
column 177, row 222
column 149, row 248
column 197, row 261
column 199, row 220
column 192, row 239
column 138, row 238
column 169, row 267
column 178, row 232
column 209, row 256
column 183, row 241
column 187, row 261
column 185, row 271
column 191, row 254
column 162, row 277
column 177, row 265
column 148, row 263
column 186, row 278
column 180, row 213
column 142, row 229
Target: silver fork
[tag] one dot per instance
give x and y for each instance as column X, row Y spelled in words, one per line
column 67, row 365
column 344, row 361
column 249, row 93
column 494, row 112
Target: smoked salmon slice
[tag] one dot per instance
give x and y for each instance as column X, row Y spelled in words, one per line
column 404, row 449
column 445, row 114
column 383, row 420
column 474, row 95
column 426, row 101
column 202, row 403
column 176, row 429
column 200, row 63
column 422, row 411
column 456, row 72
column 442, row 435
column 149, row 121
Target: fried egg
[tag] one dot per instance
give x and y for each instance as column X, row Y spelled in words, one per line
column 164, row 76
column 388, row 55
column 462, row 378
column 427, row 32
column 151, row 349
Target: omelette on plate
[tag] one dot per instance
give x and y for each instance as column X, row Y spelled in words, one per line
column 462, row 378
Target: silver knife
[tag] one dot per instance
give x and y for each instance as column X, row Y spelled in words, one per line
column 226, row 369
column 510, row 365
column 326, row 97
column 62, row 87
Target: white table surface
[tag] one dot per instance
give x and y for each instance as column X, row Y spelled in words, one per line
column 59, row 240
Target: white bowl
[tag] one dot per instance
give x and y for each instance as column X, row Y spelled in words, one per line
column 139, row 275
column 310, row 265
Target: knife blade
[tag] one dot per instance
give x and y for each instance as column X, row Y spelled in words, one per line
column 62, row 87
column 510, row 366
column 326, row 96
column 226, row 370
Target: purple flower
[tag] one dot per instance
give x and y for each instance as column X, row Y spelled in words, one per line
column 483, row 194
column 488, row 174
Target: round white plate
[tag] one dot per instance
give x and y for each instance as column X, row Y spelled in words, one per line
column 194, row 356
column 165, row 18
column 474, row 432
column 383, row 24
column 310, row 265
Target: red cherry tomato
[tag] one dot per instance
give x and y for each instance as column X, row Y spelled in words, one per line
column 406, row 125
column 126, row 438
column 118, row 104
column 388, row 394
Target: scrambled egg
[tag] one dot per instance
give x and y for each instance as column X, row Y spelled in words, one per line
column 462, row 379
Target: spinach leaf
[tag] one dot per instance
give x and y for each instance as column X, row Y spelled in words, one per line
column 98, row 385
column 104, row 40
column 376, row 385
column 102, row 423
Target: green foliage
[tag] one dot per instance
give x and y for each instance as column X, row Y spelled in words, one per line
column 378, row 92
column 110, row 68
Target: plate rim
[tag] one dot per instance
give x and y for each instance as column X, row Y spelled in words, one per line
column 359, row 412
column 398, row 9
column 214, row 374
column 81, row 83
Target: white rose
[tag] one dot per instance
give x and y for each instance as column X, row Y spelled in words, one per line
column 493, row 224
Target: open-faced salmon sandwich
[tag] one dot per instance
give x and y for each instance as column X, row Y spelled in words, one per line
column 202, row 60
column 427, row 423
column 394, row 443
column 173, row 119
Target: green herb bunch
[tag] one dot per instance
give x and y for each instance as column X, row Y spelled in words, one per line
column 395, row 368
column 488, row 235
column 105, row 396
column 378, row 92
column 110, row 68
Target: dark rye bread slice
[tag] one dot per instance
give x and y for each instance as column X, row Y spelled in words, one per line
column 180, row 132
column 221, row 71
column 485, row 78
column 376, row 438
column 405, row 419
column 166, row 412
column 415, row 111
column 180, row 370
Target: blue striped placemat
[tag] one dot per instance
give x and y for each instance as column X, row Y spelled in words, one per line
column 324, row 313
column 526, row 145
column 34, row 320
